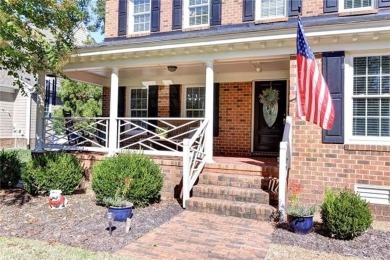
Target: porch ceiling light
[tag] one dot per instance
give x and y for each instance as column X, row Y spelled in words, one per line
column 172, row 68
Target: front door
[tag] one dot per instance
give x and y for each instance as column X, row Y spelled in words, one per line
column 270, row 112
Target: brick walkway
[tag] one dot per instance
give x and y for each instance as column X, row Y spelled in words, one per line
column 194, row 235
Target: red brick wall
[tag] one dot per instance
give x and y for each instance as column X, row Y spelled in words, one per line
column 231, row 12
column 106, row 102
column 318, row 166
column 235, row 110
column 166, row 16
column 111, row 20
column 163, row 101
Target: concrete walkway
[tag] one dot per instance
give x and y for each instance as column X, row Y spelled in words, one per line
column 194, row 235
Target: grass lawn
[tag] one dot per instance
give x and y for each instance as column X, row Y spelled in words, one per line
column 18, row 248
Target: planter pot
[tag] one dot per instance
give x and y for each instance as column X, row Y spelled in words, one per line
column 121, row 213
column 301, row 225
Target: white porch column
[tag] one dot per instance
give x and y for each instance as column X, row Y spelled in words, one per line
column 40, row 122
column 209, row 110
column 113, row 129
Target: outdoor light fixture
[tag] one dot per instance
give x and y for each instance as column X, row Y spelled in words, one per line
column 257, row 67
column 172, row 68
column 110, row 217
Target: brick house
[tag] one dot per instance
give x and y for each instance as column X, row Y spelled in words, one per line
column 205, row 64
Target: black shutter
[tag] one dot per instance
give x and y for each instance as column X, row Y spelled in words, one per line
column 216, row 7
column 216, row 110
column 248, row 13
column 174, row 101
column 153, row 106
column 331, row 6
column 121, row 104
column 177, row 14
column 333, row 71
column 383, row 3
column 293, row 7
column 155, row 20
column 122, row 17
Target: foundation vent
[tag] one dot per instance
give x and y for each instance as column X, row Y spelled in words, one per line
column 374, row 194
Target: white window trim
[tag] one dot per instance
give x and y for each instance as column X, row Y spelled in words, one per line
column 183, row 109
column 186, row 16
column 129, row 96
column 342, row 9
column 258, row 12
column 348, row 105
column 130, row 18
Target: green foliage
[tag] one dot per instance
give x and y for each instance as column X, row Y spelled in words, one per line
column 93, row 16
column 301, row 211
column 10, row 168
column 344, row 214
column 52, row 171
column 143, row 177
column 36, row 36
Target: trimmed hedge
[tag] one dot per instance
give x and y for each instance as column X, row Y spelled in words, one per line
column 344, row 214
column 52, row 171
column 10, row 168
column 110, row 175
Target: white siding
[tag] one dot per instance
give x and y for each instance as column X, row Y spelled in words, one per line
column 6, row 114
column 20, row 111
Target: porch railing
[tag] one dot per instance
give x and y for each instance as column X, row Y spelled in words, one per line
column 158, row 136
column 71, row 133
column 285, row 156
column 194, row 159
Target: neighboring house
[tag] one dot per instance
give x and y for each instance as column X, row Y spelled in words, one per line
column 209, row 62
column 18, row 111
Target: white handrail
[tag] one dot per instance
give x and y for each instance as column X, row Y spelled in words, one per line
column 194, row 159
column 285, row 156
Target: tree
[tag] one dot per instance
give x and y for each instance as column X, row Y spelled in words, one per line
column 36, row 36
column 94, row 12
column 83, row 100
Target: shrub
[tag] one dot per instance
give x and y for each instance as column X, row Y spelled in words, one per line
column 10, row 168
column 145, row 177
column 52, row 171
column 344, row 214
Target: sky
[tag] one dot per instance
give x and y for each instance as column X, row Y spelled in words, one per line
column 97, row 36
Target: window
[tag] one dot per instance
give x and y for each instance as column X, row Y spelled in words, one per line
column 370, row 98
column 348, row 5
column 194, row 101
column 196, row 13
column 140, row 15
column 270, row 9
column 138, row 102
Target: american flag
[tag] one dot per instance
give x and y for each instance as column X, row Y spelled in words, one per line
column 314, row 103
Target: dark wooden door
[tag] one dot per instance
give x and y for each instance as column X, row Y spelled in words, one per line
column 267, row 137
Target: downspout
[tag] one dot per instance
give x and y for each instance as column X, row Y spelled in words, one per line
column 28, row 120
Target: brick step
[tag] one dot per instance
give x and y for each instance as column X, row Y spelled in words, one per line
column 231, row 193
column 233, row 180
column 231, row 208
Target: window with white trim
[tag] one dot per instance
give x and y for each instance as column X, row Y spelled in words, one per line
column 196, row 13
column 371, row 98
column 138, row 102
column 140, row 13
column 266, row 9
column 195, row 101
column 349, row 5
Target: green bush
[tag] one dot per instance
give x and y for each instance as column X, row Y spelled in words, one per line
column 136, row 176
column 52, row 171
column 344, row 214
column 10, row 168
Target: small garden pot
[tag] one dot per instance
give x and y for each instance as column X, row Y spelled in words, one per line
column 301, row 225
column 121, row 213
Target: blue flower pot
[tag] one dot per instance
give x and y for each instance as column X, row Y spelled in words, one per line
column 121, row 213
column 301, row 225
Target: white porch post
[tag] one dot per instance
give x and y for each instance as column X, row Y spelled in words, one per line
column 209, row 111
column 40, row 122
column 113, row 129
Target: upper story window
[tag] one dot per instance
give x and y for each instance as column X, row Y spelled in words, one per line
column 196, row 13
column 194, row 101
column 266, row 9
column 140, row 12
column 370, row 99
column 349, row 5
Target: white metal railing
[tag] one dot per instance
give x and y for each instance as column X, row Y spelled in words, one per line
column 194, row 159
column 285, row 156
column 80, row 133
column 159, row 136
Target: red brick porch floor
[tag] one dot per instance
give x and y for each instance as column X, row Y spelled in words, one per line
column 194, row 235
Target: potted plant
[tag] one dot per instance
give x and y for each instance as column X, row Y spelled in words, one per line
column 299, row 217
column 119, row 205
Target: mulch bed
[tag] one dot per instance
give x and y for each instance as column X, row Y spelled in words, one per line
column 80, row 224
column 372, row 244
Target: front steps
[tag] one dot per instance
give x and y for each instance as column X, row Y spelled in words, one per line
column 238, row 190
